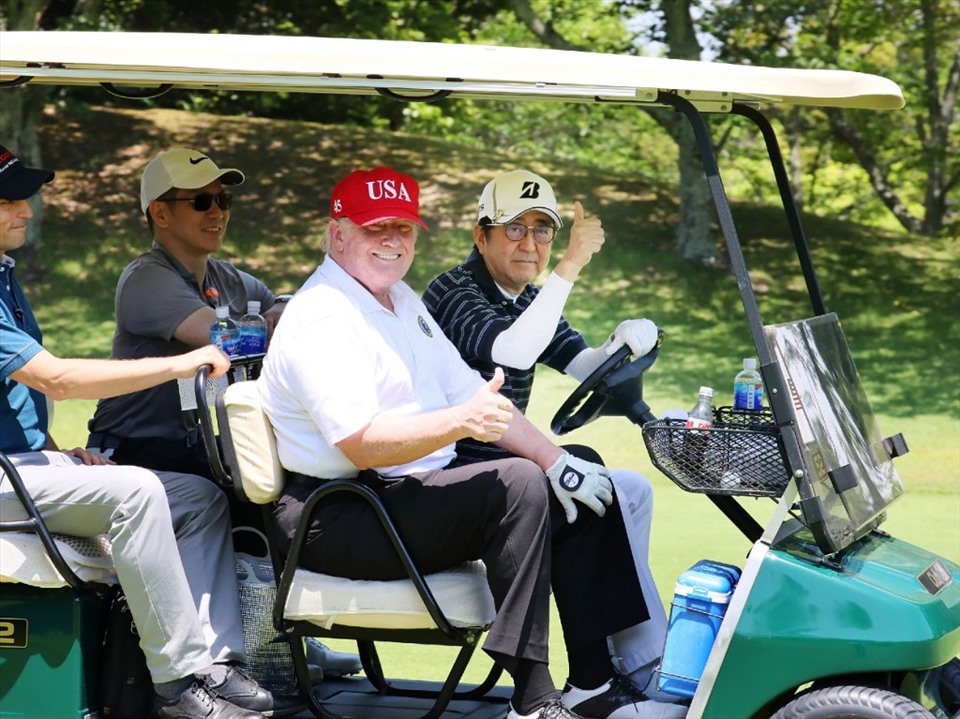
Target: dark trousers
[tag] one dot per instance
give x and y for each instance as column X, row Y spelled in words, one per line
column 503, row 513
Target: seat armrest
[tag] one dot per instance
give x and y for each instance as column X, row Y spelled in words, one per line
column 325, row 489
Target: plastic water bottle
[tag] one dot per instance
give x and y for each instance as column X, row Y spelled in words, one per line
column 224, row 333
column 253, row 330
column 748, row 387
column 701, row 416
column 695, row 439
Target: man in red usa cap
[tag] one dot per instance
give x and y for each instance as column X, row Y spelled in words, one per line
column 361, row 382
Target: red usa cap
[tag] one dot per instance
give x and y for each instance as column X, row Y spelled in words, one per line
column 367, row 197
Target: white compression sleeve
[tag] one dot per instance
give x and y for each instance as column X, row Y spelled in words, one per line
column 586, row 362
column 529, row 336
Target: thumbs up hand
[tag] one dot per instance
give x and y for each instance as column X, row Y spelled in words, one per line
column 488, row 413
column 586, row 237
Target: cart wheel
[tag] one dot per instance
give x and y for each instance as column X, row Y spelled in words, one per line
column 852, row 703
column 950, row 686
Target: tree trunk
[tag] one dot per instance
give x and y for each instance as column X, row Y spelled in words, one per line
column 695, row 240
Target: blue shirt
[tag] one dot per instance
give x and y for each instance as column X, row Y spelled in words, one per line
column 23, row 411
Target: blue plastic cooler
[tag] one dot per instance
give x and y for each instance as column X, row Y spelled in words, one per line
column 701, row 597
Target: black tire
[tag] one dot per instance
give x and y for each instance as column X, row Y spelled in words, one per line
column 950, row 686
column 852, row 703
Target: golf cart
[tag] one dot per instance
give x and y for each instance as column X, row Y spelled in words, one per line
column 829, row 616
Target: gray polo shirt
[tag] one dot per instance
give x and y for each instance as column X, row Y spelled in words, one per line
column 155, row 295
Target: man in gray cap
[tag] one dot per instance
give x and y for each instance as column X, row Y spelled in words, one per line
column 165, row 305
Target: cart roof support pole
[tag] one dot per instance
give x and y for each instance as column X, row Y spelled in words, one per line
column 789, row 204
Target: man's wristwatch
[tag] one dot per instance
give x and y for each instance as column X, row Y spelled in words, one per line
column 282, row 298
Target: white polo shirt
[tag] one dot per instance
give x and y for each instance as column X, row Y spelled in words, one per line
column 339, row 358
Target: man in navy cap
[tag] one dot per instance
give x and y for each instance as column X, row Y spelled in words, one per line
column 176, row 568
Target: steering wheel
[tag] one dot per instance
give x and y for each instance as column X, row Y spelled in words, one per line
column 615, row 388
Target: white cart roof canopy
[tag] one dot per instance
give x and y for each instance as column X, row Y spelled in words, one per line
column 129, row 62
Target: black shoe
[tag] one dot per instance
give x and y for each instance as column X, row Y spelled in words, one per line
column 239, row 688
column 324, row 662
column 619, row 699
column 553, row 710
column 198, row 702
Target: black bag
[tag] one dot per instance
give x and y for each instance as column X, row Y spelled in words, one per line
column 126, row 689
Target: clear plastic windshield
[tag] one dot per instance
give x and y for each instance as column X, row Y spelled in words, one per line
column 841, row 444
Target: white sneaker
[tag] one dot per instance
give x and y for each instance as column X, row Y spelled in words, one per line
column 618, row 699
column 553, row 710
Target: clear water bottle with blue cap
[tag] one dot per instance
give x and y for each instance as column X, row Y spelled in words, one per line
column 748, row 387
column 253, row 330
column 224, row 332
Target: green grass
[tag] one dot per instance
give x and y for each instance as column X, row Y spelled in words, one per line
column 898, row 295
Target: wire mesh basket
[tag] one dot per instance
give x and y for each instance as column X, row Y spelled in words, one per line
column 739, row 454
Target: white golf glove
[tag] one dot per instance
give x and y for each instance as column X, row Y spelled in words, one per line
column 573, row 478
column 639, row 335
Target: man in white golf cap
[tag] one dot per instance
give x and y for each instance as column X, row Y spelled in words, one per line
column 165, row 304
column 490, row 309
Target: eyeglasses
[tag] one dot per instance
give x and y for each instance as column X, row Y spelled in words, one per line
column 542, row 234
column 203, row 201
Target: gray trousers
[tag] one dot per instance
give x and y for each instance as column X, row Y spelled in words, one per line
column 642, row 644
column 170, row 535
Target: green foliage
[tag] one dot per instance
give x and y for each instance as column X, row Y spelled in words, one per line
column 914, row 154
column 912, row 157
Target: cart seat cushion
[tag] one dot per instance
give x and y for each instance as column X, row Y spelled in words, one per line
column 254, row 444
column 324, row 600
column 23, row 559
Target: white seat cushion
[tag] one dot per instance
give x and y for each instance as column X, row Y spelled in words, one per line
column 462, row 593
column 23, row 559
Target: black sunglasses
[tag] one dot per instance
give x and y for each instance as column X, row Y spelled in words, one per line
column 203, row 201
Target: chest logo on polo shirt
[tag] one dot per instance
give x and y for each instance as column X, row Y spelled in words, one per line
column 424, row 326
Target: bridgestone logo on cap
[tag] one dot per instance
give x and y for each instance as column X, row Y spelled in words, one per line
column 530, row 190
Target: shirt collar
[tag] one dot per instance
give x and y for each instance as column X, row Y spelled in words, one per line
column 475, row 265
column 344, row 281
column 183, row 271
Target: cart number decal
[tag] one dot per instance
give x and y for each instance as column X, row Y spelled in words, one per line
column 13, row 633
column 935, row 577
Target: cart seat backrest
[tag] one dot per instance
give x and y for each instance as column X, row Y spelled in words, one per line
column 249, row 445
